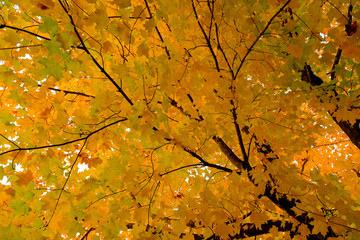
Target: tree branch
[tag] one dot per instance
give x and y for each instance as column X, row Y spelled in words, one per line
column 108, row 195
column 351, row 130
column 207, row 38
column 181, row 109
column 179, row 168
column 69, row 92
column 280, row 200
column 238, row 133
column 205, row 163
column 223, row 52
column 92, row 57
column 260, row 35
column 336, row 62
column 240, row 164
column 64, row 143
column 17, row 47
column 162, row 40
column 64, row 185
column 25, row 31
column 87, row 233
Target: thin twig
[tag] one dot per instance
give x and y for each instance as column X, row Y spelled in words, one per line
column 26, row 46
column 64, row 185
column 10, row 141
column 205, row 163
column 162, row 40
column 260, row 35
column 69, row 92
column 206, row 37
column 329, row 144
column 179, row 168
column 151, row 199
column 64, row 143
column 87, row 233
column 25, row 31
column 222, row 51
column 108, row 195
column 102, row 69
column 249, row 147
column 347, row 19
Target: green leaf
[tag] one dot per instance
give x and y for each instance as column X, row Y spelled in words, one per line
column 51, row 68
column 53, row 46
column 49, row 25
column 9, row 232
column 20, row 207
column 7, row 118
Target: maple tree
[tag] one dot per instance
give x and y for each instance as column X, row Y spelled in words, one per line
column 146, row 119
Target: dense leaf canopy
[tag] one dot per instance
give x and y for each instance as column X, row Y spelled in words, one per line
column 158, row 119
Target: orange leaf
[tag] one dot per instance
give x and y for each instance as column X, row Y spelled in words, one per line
column 25, row 178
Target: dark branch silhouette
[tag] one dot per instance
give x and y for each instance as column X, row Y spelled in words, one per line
column 25, row 31
column 102, row 69
column 258, row 38
column 64, row 143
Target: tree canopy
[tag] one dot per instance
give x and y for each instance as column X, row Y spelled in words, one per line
column 157, row 119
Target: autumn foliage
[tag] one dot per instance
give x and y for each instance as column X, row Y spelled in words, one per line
column 183, row 119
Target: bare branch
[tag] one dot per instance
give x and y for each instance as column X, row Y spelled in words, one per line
column 12, row 142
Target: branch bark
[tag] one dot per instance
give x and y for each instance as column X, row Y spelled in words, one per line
column 280, row 200
column 25, row 31
column 351, row 130
column 240, row 164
